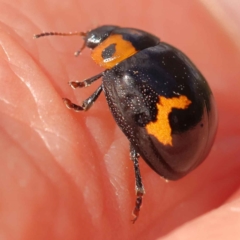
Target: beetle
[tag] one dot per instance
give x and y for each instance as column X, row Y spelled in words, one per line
column 157, row 96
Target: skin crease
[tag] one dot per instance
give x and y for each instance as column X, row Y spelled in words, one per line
column 67, row 175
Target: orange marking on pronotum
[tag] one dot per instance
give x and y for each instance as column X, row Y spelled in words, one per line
column 123, row 50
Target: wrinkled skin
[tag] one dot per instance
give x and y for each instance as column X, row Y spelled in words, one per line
column 67, row 175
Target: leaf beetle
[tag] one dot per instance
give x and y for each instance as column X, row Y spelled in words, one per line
column 157, row 96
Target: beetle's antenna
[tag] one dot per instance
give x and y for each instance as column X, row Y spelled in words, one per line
column 80, row 50
column 44, row 34
column 82, row 34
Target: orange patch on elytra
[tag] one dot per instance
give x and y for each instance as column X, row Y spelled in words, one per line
column 161, row 128
column 124, row 49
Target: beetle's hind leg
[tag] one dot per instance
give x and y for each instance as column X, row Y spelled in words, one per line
column 134, row 155
column 87, row 103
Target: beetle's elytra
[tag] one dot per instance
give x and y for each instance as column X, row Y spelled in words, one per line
column 157, row 96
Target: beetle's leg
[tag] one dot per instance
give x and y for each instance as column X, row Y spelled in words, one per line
column 134, row 155
column 86, row 82
column 87, row 103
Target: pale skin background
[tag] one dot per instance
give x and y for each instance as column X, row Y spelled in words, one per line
column 67, row 175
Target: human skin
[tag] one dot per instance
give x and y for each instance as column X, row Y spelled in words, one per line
column 67, row 175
